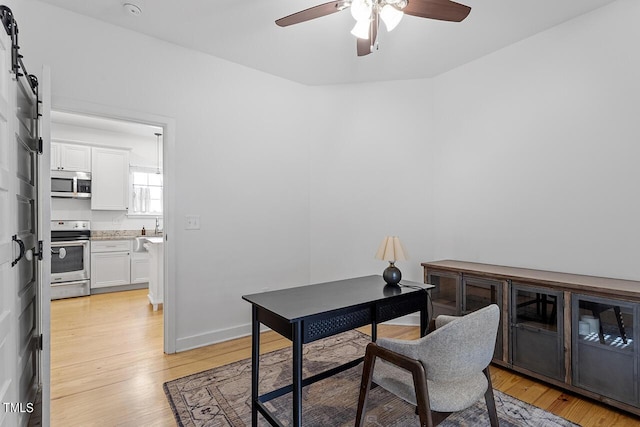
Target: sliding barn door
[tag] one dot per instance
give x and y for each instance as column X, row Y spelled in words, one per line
column 8, row 338
column 19, row 244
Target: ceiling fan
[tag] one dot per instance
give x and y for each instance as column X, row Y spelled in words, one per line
column 368, row 14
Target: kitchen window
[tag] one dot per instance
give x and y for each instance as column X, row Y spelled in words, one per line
column 145, row 191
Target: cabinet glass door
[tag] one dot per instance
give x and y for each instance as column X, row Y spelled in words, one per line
column 446, row 294
column 537, row 330
column 478, row 293
column 604, row 347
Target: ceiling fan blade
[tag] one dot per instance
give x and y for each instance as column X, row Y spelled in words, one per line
column 312, row 13
column 363, row 47
column 443, row 10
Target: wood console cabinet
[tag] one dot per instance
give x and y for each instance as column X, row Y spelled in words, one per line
column 574, row 331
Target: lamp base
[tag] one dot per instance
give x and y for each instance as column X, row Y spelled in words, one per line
column 392, row 274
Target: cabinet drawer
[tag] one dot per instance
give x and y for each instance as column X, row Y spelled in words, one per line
column 110, row 245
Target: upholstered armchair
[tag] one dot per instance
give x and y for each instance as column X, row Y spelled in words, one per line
column 443, row 372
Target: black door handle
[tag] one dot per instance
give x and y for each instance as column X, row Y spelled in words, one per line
column 22, row 249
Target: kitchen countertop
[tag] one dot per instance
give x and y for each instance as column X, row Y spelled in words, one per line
column 120, row 234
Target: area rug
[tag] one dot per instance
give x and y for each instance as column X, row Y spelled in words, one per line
column 220, row 397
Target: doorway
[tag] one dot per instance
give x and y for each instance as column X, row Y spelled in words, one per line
column 148, row 140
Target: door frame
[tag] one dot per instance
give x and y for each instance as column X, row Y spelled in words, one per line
column 168, row 148
column 44, row 228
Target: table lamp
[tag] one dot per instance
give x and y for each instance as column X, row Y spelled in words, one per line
column 391, row 250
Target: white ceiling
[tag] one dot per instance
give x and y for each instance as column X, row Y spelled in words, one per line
column 322, row 51
column 105, row 124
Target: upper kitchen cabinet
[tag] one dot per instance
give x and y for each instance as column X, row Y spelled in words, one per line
column 110, row 179
column 70, row 157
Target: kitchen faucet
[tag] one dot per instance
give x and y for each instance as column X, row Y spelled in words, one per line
column 157, row 224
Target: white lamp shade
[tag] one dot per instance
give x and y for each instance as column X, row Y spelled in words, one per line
column 361, row 29
column 391, row 16
column 391, row 250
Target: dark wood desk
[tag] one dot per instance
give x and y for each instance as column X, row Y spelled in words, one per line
column 308, row 313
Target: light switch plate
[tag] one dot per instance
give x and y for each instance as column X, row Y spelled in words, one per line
column 192, row 222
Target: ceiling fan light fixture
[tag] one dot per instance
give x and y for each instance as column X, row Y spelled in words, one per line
column 361, row 10
column 391, row 16
column 368, row 14
column 361, row 29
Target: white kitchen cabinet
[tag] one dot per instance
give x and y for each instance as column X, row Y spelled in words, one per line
column 110, row 263
column 139, row 267
column 70, row 157
column 55, row 156
column 155, row 246
column 110, row 179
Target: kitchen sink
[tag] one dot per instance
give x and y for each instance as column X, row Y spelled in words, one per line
column 139, row 242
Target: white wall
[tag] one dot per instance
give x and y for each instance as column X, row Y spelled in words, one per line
column 240, row 161
column 524, row 157
column 372, row 177
column 537, row 162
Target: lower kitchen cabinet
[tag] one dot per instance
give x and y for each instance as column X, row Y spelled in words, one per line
column 156, row 272
column 110, row 263
column 139, row 267
column 573, row 331
column 110, row 269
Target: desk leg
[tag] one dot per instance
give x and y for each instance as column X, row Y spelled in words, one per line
column 255, row 368
column 297, row 374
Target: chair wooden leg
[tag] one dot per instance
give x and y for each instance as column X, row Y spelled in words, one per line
column 365, row 385
column 422, row 396
column 438, row 417
column 489, row 399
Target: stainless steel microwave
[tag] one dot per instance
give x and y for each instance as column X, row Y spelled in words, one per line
column 71, row 184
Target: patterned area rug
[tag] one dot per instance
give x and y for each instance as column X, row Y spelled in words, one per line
column 220, row 397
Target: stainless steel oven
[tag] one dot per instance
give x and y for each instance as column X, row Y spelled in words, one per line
column 70, row 259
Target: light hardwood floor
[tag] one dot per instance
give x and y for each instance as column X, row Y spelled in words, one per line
column 107, row 367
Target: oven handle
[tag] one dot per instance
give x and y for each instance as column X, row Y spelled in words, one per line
column 22, row 249
column 62, row 253
column 70, row 243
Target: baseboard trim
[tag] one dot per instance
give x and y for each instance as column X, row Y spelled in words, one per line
column 119, row 288
column 221, row 335
column 214, row 337
column 410, row 320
